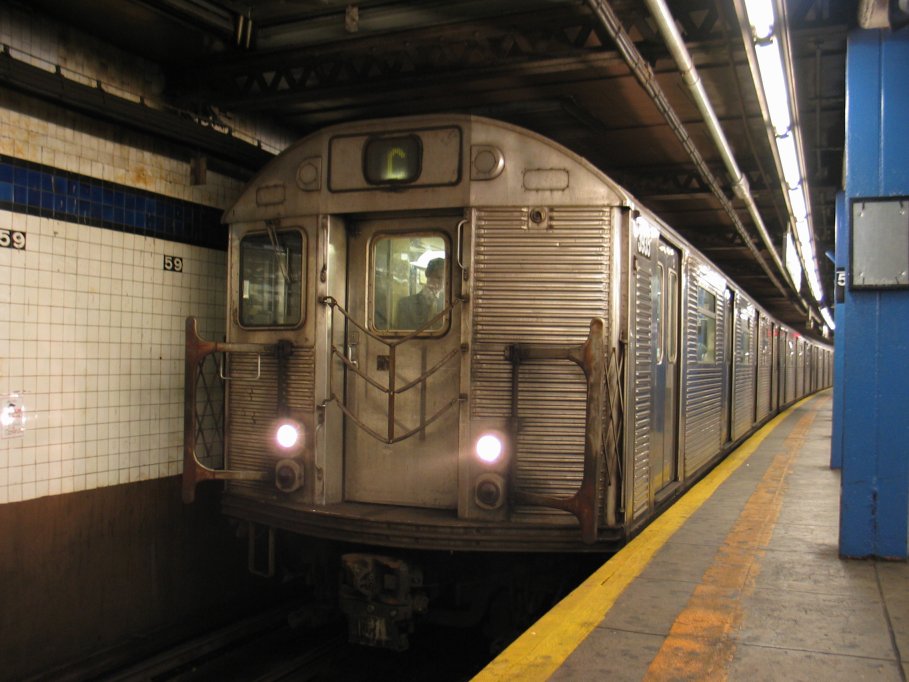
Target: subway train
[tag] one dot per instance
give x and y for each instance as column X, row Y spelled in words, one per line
column 449, row 333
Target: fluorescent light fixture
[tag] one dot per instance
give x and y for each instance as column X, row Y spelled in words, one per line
column 768, row 42
column 797, row 203
column 814, row 282
column 807, row 248
column 802, row 234
column 828, row 318
column 773, row 77
column 792, row 262
column 760, row 16
column 789, row 159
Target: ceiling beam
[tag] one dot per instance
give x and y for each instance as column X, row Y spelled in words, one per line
column 227, row 154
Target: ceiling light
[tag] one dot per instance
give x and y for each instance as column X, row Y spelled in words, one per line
column 814, row 283
column 760, row 16
column 797, row 203
column 789, row 159
column 792, row 262
column 773, row 76
column 802, row 234
column 772, row 79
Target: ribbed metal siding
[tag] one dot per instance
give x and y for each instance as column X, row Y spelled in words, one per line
column 743, row 370
column 534, row 284
column 703, row 408
column 641, row 372
column 252, row 405
column 765, row 365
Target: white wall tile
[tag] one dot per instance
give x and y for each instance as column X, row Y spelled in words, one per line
column 91, row 327
column 96, row 349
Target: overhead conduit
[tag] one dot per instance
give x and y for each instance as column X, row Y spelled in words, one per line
column 644, row 75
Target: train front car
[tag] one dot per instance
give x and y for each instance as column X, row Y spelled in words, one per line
column 417, row 308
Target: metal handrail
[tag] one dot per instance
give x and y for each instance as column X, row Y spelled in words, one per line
column 396, row 439
column 391, row 390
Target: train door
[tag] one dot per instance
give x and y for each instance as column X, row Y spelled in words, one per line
column 666, row 304
column 758, row 355
column 774, row 367
column 403, row 363
column 728, row 359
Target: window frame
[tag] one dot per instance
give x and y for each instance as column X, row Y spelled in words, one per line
column 304, row 278
column 659, row 311
column 673, row 303
column 706, row 314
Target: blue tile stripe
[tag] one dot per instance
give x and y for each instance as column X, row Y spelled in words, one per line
column 36, row 189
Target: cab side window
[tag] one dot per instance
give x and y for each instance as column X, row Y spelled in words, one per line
column 272, row 277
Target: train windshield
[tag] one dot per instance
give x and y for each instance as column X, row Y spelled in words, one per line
column 409, row 282
column 271, row 278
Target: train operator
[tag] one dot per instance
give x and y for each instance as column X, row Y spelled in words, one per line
column 417, row 309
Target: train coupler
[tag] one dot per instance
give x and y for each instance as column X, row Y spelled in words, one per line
column 380, row 597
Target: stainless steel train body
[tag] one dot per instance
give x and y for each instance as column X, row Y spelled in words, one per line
column 582, row 365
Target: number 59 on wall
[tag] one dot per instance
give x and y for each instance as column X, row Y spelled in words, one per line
column 173, row 263
column 12, row 239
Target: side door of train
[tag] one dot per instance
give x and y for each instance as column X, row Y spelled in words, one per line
column 666, row 313
column 403, row 383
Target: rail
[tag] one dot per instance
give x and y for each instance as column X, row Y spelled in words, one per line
column 391, row 391
column 602, row 366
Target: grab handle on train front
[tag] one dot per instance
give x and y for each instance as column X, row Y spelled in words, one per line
column 460, row 243
column 230, row 378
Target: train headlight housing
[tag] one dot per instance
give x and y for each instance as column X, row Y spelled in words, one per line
column 288, row 475
column 489, row 491
column 489, row 448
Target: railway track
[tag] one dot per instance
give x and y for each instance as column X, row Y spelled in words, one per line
column 274, row 647
column 263, row 648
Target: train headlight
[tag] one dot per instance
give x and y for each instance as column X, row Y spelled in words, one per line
column 289, row 437
column 489, row 448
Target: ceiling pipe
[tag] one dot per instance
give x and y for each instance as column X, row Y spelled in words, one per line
column 675, row 43
column 645, row 77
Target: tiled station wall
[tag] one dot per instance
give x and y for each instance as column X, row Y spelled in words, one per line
column 99, row 551
column 119, row 247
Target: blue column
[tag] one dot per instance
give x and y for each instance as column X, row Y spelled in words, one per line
column 873, row 381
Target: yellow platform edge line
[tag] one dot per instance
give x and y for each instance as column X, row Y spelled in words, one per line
column 545, row 646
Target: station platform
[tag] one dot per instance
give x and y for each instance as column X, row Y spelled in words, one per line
column 741, row 579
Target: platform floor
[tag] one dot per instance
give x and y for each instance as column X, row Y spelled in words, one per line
column 740, row 580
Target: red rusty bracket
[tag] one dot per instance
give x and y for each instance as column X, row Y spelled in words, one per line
column 591, row 357
column 194, row 471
